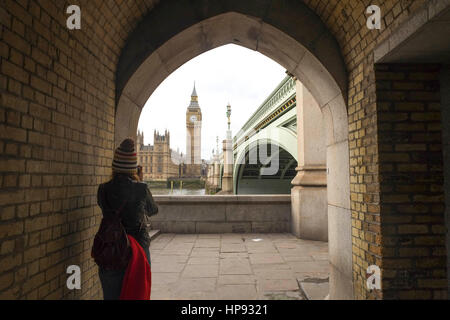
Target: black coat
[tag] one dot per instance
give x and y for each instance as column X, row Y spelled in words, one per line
column 138, row 203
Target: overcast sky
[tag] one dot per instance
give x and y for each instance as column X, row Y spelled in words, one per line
column 229, row 73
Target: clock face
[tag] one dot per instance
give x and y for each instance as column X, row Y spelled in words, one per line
column 193, row 118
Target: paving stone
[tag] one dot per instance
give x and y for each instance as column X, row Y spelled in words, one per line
column 154, row 252
column 224, row 255
column 194, row 284
column 233, row 247
column 232, row 239
column 293, row 252
column 280, row 295
column 271, row 266
column 310, row 266
column 161, row 241
column 235, row 266
column 165, row 237
column 185, row 237
column 274, row 274
column 161, row 294
column 193, row 289
column 223, row 266
column 196, row 295
column 203, row 260
column 261, row 248
column 315, row 291
column 315, row 288
column 209, row 236
column 200, row 271
column 167, row 267
column 257, row 258
column 207, row 243
column 164, row 278
column 205, row 252
column 296, row 258
column 292, row 244
column 236, row 279
column 237, row 292
column 322, row 256
column 301, row 276
column 179, row 246
column 181, row 252
column 165, row 258
column 276, row 284
column 159, row 245
column 281, row 236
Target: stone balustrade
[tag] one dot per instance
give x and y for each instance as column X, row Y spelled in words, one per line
column 223, row 214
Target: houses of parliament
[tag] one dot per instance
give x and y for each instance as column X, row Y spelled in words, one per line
column 160, row 163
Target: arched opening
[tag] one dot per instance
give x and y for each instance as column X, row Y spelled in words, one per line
column 252, row 180
column 279, row 136
column 301, row 43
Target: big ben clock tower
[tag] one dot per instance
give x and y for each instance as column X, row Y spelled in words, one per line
column 193, row 136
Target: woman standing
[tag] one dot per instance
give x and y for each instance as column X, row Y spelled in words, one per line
column 126, row 193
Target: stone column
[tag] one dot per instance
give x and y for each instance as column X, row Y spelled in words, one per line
column 211, row 174
column 208, row 176
column 309, row 191
column 227, row 179
column 216, row 171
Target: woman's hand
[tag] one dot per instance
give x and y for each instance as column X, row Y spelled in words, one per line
column 140, row 173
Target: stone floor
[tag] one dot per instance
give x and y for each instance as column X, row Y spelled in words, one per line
column 238, row 267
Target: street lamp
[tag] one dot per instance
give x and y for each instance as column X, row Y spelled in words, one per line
column 229, row 115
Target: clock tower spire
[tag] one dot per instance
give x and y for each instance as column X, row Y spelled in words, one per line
column 193, row 135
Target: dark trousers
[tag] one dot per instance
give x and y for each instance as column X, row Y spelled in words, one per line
column 111, row 280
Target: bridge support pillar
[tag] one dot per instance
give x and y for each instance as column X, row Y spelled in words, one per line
column 227, row 178
column 209, row 178
column 216, row 178
column 309, row 203
column 211, row 175
column 309, row 213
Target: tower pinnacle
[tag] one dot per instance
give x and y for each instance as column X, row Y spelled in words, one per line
column 194, row 92
column 194, row 99
column 229, row 115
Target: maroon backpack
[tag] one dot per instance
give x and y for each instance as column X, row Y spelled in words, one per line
column 111, row 249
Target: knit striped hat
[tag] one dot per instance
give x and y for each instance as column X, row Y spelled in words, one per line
column 125, row 159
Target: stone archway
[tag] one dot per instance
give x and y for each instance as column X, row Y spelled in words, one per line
column 292, row 35
column 248, row 178
column 283, row 137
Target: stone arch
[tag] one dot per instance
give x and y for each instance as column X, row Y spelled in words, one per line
column 282, row 137
column 270, row 185
column 288, row 32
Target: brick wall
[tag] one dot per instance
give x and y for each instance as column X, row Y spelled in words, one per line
column 347, row 21
column 411, row 182
column 56, row 138
column 56, row 127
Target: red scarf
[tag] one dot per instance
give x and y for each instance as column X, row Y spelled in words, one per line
column 137, row 281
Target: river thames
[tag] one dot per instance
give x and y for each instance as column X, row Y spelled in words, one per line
column 177, row 191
